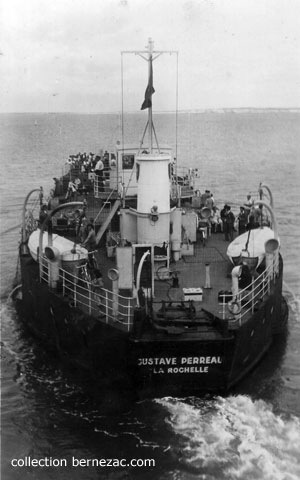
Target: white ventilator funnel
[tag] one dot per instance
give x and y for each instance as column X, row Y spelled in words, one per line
column 153, row 204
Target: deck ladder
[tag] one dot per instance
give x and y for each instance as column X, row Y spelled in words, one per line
column 107, row 221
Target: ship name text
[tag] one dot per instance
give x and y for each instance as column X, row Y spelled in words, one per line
column 179, row 365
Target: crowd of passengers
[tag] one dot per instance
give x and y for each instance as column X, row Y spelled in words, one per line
column 87, row 163
column 224, row 220
column 85, row 167
column 250, row 216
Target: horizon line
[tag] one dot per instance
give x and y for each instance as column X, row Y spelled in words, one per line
column 196, row 110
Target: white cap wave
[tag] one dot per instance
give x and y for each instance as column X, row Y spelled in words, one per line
column 234, row 438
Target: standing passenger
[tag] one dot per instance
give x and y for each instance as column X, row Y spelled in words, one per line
column 228, row 224
column 210, row 202
column 99, row 170
column 242, row 220
column 83, row 229
column 248, row 205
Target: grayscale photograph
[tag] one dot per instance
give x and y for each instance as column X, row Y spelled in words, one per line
column 150, row 286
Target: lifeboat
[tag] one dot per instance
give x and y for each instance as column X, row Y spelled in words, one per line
column 250, row 246
column 65, row 247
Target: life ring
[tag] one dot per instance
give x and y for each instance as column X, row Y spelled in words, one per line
column 234, row 307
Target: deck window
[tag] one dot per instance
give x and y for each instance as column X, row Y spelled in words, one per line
column 127, row 161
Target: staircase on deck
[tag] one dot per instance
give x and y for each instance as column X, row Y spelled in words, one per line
column 104, row 226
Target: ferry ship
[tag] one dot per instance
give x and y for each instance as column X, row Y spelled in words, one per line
column 125, row 272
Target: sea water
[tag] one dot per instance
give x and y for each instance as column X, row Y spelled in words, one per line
column 51, row 415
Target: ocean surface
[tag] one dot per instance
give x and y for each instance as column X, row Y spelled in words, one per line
column 251, row 433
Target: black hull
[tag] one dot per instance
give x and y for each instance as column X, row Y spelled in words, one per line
column 162, row 364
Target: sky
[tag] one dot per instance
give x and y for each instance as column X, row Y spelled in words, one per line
column 65, row 55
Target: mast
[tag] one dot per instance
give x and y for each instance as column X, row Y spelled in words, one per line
column 150, row 77
column 149, row 55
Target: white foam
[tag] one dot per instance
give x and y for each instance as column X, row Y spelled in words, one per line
column 292, row 298
column 243, row 439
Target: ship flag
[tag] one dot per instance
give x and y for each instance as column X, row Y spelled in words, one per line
column 147, row 103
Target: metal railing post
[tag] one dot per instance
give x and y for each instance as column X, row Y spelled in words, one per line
column 90, row 299
column 75, row 293
column 128, row 314
column 64, row 282
column 223, row 308
column 106, row 305
column 252, row 296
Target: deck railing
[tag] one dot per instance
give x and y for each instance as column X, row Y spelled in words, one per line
column 248, row 299
column 107, row 183
column 101, row 215
column 109, row 307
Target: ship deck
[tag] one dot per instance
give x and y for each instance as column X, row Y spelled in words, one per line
column 191, row 273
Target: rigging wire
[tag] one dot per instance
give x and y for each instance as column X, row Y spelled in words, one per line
column 122, row 111
column 176, row 118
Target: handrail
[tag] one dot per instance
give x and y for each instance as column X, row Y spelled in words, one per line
column 66, row 169
column 103, row 205
column 248, row 298
column 129, row 181
column 268, row 207
column 84, row 293
column 266, row 187
column 40, row 190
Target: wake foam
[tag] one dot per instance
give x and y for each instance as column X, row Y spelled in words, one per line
column 235, row 438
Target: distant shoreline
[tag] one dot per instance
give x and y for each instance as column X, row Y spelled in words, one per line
column 159, row 112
